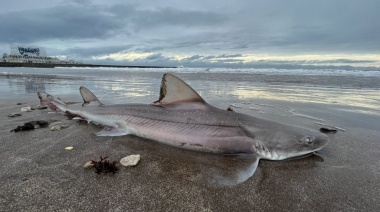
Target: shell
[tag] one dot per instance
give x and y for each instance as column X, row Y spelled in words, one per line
column 26, row 109
column 56, row 128
column 69, row 148
column 130, row 160
column 14, row 114
column 88, row 165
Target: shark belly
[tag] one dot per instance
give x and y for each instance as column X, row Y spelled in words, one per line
column 200, row 137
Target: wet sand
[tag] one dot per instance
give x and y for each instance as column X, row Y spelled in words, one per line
column 38, row 174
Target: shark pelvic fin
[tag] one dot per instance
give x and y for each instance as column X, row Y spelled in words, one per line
column 174, row 90
column 88, row 97
column 113, row 132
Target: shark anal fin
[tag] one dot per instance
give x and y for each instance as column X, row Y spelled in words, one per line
column 174, row 90
column 113, row 132
column 88, row 97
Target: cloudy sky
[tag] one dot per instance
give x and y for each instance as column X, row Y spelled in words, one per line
column 199, row 33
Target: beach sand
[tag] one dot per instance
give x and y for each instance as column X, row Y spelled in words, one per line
column 38, row 174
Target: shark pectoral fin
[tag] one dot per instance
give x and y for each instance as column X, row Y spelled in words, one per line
column 255, row 158
column 113, row 132
column 251, row 163
column 174, row 90
column 244, row 168
column 88, row 97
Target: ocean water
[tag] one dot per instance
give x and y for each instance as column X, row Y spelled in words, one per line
column 251, row 89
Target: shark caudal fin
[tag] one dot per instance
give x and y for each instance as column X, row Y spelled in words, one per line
column 174, row 90
column 52, row 102
column 88, row 97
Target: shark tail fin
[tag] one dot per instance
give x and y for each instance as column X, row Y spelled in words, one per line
column 52, row 102
column 88, row 97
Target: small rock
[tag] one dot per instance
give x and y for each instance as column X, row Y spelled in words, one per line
column 19, row 103
column 69, row 148
column 130, row 160
column 14, row 114
column 56, row 128
column 88, row 165
column 26, row 109
column 327, row 130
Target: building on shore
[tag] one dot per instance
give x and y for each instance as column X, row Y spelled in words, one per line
column 31, row 54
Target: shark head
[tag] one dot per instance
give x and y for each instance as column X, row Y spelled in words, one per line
column 300, row 142
column 285, row 141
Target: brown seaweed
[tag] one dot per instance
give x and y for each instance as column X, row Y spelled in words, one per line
column 31, row 125
column 105, row 165
column 24, row 127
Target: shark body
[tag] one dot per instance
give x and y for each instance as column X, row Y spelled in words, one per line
column 183, row 119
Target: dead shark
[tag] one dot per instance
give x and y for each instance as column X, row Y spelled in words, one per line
column 182, row 118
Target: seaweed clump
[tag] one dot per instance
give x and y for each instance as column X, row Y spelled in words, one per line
column 105, row 165
column 24, row 127
column 31, row 125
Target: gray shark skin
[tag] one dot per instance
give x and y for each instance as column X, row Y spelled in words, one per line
column 181, row 118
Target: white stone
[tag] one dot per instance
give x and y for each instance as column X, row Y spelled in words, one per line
column 26, row 109
column 88, row 165
column 130, row 160
column 69, row 148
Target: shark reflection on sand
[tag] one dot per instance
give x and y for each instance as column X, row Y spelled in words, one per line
column 181, row 118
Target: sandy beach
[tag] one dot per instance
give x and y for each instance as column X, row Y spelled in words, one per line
column 38, row 174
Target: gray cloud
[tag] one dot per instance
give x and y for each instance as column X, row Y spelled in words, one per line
column 229, row 63
column 221, row 31
column 95, row 51
column 88, row 21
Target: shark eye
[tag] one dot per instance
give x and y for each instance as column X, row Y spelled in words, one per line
column 307, row 140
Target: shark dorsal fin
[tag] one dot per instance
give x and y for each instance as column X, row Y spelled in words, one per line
column 88, row 97
column 174, row 90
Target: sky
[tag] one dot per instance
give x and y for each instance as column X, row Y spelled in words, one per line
column 199, row 33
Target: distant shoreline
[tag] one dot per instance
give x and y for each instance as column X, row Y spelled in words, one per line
column 52, row 65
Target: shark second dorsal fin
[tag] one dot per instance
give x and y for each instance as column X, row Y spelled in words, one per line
column 88, row 97
column 174, row 90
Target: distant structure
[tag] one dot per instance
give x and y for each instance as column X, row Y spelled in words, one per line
column 32, row 54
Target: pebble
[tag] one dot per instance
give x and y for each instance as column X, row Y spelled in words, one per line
column 328, row 130
column 130, row 160
column 26, row 109
column 69, row 148
column 14, row 114
column 88, row 165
